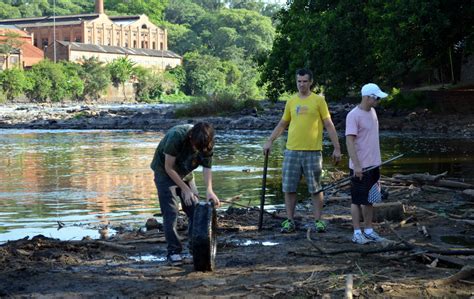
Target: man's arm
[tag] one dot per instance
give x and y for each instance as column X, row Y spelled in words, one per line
column 350, row 143
column 210, row 195
column 336, row 154
column 188, row 196
column 279, row 129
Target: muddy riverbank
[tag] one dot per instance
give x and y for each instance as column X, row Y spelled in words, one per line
column 428, row 254
column 162, row 117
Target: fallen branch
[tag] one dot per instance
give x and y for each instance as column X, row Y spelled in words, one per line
column 465, row 273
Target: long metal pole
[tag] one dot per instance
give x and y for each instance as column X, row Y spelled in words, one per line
column 348, row 178
column 54, row 30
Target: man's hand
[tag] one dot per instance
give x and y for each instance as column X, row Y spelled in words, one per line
column 189, row 198
column 267, row 146
column 211, row 196
column 358, row 172
column 336, row 156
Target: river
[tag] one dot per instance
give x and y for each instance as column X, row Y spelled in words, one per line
column 87, row 179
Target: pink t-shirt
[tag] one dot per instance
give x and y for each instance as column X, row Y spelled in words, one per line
column 365, row 126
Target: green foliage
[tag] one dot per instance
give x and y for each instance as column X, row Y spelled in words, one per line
column 3, row 97
column 13, row 83
column 204, row 74
column 407, row 100
column 148, row 86
column 121, row 69
column 96, row 78
column 10, row 43
column 152, row 8
column 183, row 12
column 353, row 42
column 9, row 12
column 219, row 104
column 178, row 97
column 48, row 82
column 74, row 84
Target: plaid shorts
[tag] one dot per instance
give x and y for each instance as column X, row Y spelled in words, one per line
column 367, row 190
column 298, row 163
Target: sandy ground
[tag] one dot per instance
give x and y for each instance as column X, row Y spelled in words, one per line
column 265, row 263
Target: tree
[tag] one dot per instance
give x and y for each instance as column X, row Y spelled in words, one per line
column 204, row 75
column 152, row 8
column 121, row 70
column 13, row 82
column 8, row 11
column 48, row 82
column 74, row 84
column 352, row 42
column 96, row 77
column 183, row 12
column 10, row 42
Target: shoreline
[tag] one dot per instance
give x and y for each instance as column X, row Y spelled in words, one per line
column 134, row 116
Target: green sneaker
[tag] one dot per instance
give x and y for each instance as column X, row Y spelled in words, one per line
column 320, row 226
column 288, row 226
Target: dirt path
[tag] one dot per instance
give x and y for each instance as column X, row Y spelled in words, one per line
column 262, row 264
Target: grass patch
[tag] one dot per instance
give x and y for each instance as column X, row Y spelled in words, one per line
column 220, row 105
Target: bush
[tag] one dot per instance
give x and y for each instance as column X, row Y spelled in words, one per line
column 13, row 83
column 96, row 78
column 48, row 82
column 222, row 104
column 406, row 100
column 148, row 86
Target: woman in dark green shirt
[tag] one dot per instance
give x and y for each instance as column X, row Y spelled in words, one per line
column 183, row 149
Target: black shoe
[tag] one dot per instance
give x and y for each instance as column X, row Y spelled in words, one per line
column 175, row 259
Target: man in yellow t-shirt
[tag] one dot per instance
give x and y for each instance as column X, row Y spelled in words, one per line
column 305, row 115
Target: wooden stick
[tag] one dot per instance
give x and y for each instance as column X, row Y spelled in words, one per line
column 308, row 237
column 349, row 285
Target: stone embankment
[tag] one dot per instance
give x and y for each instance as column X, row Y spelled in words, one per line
column 162, row 117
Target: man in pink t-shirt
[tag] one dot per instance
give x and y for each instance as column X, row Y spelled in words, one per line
column 362, row 139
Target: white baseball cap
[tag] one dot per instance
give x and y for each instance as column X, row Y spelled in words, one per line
column 371, row 89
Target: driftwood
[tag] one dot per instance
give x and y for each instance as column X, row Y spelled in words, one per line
column 392, row 211
column 469, row 221
column 448, row 260
column 390, row 247
column 436, row 180
column 349, row 285
column 465, row 273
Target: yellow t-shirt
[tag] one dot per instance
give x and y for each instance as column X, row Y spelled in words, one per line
column 305, row 132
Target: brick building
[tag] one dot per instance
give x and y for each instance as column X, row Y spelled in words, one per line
column 121, row 35
column 25, row 56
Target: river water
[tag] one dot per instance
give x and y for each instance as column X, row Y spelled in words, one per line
column 87, row 179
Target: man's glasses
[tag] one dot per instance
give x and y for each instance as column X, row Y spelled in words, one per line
column 375, row 97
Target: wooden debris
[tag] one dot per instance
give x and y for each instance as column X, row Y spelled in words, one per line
column 424, row 178
column 465, row 273
column 392, row 211
column 349, row 286
column 422, row 230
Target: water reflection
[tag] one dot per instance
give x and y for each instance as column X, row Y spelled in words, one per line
column 92, row 178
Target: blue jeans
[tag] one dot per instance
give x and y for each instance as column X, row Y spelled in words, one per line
column 170, row 210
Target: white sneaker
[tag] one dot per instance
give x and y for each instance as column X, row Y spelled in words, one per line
column 359, row 238
column 374, row 237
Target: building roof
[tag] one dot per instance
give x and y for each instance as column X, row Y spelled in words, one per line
column 66, row 20
column 119, row 50
column 49, row 20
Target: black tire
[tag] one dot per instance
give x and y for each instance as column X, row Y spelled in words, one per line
column 204, row 241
